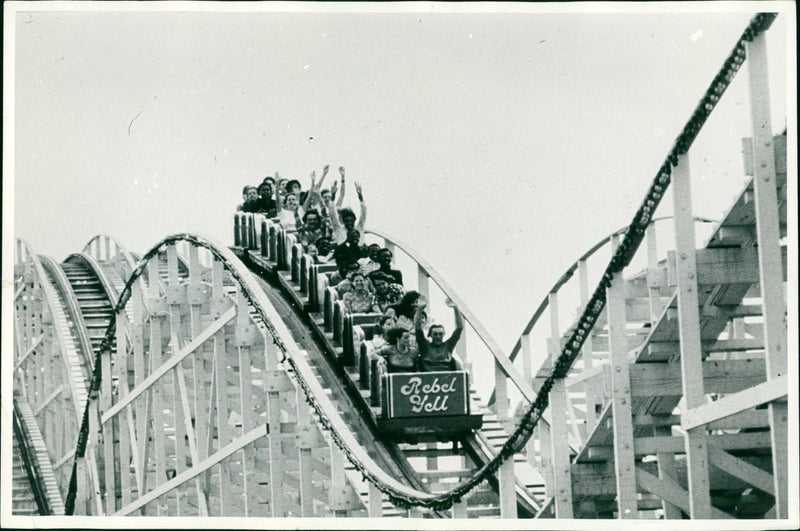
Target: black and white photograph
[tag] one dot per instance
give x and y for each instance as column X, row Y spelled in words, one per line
column 400, row 265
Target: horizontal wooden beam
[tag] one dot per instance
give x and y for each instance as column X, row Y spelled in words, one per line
column 732, row 311
column 722, row 376
column 677, row 444
column 721, row 345
column 726, row 406
column 644, row 446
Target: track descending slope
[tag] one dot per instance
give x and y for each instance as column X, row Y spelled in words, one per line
column 459, row 459
column 208, row 405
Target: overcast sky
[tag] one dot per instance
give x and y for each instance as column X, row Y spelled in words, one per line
column 500, row 145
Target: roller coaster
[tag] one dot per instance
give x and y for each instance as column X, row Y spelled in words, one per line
column 205, row 380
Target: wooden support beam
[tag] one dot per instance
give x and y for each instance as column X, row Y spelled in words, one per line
column 171, row 363
column 721, row 376
column 689, row 333
column 201, row 467
column 674, row 444
column 44, row 403
column 21, row 359
column 769, row 258
column 667, row 471
column 735, row 265
column 668, row 490
column 559, row 440
column 763, row 393
column 741, row 469
column 622, row 425
column 593, row 398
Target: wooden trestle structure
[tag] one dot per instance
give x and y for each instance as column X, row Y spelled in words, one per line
column 179, row 383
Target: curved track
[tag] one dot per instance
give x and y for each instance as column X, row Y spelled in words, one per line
column 197, row 398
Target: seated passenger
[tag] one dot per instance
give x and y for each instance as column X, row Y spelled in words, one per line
column 400, row 354
column 387, row 292
column 349, row 251
column 437, row 354
column 385, row 261
column 380, row 337
column 266, row 204
column 370, row 262
column 311, row 229
column 342, row 272
column 290, row 214
column 293, row 187
column 250, row 196
column 346, row 285
column 406, row 309
column 323, row 250
column 359, row 299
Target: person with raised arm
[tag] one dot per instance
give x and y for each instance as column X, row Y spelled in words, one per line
column 437, row 354
column 344, row 220
column 311, row 229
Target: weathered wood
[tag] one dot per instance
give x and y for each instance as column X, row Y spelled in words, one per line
column 767, row 392
column 161, row 370
column 593, row 399
column 559, row 440
column 721, row 376
column 667, row 471
column 769, row 258
column 741, row 469
column 670, row 491
column 622, row 425
column 689, row 332
column 201, row 467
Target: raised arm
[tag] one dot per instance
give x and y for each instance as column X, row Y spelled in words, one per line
column 362, row 219
column 454, row 337
column 340, row 201
column 333, row 212
column 311, row 191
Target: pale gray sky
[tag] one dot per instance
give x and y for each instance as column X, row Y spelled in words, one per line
column 500, row 145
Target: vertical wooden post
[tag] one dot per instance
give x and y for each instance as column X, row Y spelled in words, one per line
column 221, row 386
column 156, row 322
column 506, row 478
column 275, row 455
column 653, row 284
column 769, row 259
column 624, row 464
column 559, row 439
column 108, row 433
column 422, row 283
column 667, row 470
column 689, row 332
column 592, row 396
column 375, row 502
